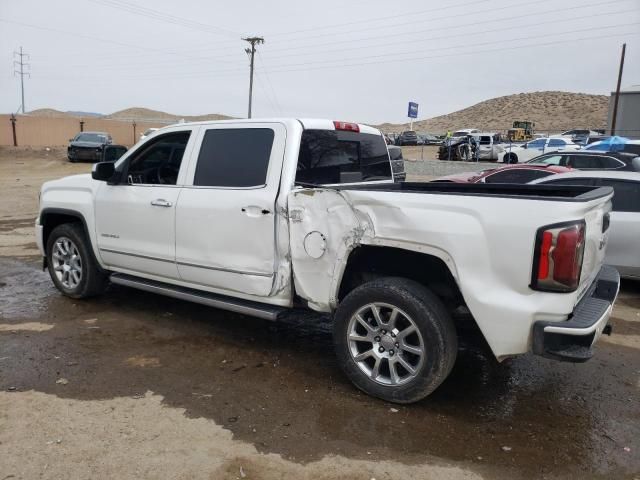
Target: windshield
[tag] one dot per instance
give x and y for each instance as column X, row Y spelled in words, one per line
column 547, row 160
column 91, row 137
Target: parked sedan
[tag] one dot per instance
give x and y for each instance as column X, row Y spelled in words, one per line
column 508, row 174
column 534, row 148
column 623, row 245
column 428, row 139
column 590, row 160
column 88, row 146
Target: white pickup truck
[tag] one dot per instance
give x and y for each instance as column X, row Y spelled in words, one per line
column 265, row 216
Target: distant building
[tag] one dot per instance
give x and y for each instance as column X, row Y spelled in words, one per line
column 628, row 118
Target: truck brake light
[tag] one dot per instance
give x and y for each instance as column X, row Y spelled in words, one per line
column 350, row 127
column 558, row 256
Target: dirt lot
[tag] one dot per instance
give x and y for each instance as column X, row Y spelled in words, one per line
column 132, row 385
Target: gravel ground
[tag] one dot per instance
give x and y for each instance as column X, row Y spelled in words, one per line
column 423, row 165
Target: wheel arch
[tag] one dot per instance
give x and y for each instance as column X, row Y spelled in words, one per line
column 52, row 217
column 366, row 262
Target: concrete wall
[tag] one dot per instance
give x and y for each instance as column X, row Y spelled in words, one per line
column 628, row 118
column 56, row 131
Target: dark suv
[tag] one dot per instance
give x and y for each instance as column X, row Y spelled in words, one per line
column 88, row 146
column 591, row 160
column 408, row 137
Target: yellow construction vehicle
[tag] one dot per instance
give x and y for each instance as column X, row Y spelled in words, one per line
column 521, row 131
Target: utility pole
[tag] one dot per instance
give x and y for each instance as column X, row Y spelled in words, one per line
column 20, row 65
column 615, row 101
column 252, row 52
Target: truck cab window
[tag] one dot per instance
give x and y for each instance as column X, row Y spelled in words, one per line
column 159, row 162
column 328, row 156
column 234, row 157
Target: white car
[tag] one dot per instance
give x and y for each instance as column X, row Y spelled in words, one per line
column 264, row 216
column 148, row 132
column 630, row 146
column 464, row 132
column 623, row 251
column 529, row 150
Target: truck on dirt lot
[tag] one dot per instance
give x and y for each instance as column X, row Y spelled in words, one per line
column 263, row 217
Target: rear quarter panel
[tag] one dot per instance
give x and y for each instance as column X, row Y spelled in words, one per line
column 486, row 241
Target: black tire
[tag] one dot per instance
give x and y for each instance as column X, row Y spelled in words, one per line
column 72, row 160
column 511, row 158
column 93, row 280
column 432, row 320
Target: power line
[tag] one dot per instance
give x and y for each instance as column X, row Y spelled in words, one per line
column 165, row 17
column 387, row 34
column 360, row 45
column 98, row 39
column 387, row 44
column 466, row 49
column 325, row 67
column 253, row 41
column 386, row 18
column 273, row 91
column 21, row 64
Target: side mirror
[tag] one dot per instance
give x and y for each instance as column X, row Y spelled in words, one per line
column 103, row 171
column 111, row 153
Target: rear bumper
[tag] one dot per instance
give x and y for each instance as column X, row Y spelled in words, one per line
column 573, row 339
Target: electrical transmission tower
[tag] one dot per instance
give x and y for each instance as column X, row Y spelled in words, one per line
column 19, row 68
column 252, row 52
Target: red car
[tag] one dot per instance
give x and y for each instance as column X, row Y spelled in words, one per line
column 507, row 174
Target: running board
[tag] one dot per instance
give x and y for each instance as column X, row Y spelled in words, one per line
column 246, row 307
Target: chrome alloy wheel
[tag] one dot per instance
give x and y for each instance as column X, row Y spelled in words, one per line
column 67, row 263
column 386, row 344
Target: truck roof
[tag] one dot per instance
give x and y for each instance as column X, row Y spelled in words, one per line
column 307, row 123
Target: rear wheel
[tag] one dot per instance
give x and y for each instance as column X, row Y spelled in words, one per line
column 510, row 158
column 394, row 339
column 71, row 263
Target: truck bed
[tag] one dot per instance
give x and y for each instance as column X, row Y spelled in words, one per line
column 565, row 193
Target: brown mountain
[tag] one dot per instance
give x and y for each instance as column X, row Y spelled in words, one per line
column 551, row 112
column 145, row 114
column 136, row 113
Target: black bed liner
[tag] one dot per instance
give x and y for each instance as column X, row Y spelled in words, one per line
column 564, row 193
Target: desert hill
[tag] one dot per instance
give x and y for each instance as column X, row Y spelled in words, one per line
column 146, row 114
column 136, row 113
column 551, row 111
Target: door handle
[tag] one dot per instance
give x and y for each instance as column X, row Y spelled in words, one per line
column 255, row 211
column 161, row 202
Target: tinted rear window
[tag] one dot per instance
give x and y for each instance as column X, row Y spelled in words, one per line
column 234, row 157
column 328, row 156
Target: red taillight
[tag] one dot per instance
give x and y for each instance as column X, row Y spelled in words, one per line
column 567, row 256
column 545, row 248
column 559, row 254
column 350, row 127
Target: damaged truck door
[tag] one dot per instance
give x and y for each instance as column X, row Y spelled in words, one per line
column 225, row 219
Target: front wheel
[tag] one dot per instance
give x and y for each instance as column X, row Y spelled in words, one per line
column 71, row 264
column 394, row 339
